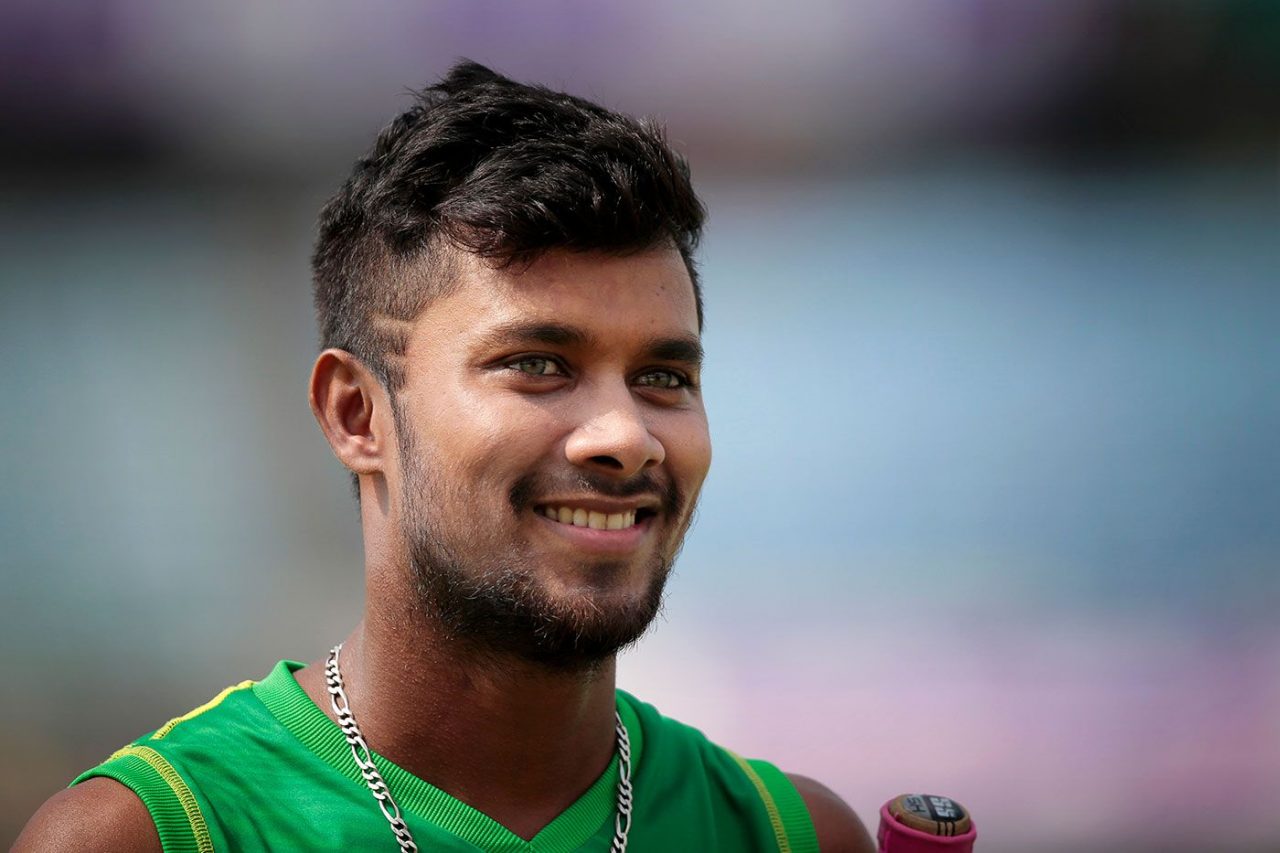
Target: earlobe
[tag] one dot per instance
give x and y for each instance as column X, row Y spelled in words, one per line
column 346, row 399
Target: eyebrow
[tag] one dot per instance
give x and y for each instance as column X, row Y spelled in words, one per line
column 552, row 334
column 681, row 348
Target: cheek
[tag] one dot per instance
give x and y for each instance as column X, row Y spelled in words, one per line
column 688, row 447
column 495, row 438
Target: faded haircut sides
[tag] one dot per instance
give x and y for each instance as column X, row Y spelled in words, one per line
column 500, row 169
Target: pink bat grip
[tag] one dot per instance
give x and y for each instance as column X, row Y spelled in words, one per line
column 896, row 837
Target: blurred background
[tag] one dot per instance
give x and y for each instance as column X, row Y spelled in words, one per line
column 993, row 298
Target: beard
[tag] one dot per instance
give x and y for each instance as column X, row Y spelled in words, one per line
column 488, row 594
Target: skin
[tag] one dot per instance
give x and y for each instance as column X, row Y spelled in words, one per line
column 488, row 402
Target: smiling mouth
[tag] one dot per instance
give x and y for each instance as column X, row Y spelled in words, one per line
column 579, row 517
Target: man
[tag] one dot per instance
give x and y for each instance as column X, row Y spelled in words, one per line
column 511, row 323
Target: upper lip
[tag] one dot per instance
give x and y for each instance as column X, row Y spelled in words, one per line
column 602, row 504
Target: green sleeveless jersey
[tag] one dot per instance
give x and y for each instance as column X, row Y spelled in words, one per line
column 260, row 767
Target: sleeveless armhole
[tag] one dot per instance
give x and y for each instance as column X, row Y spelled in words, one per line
column 789, row 816
column 174, row 809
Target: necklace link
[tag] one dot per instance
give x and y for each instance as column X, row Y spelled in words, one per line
column 363, row 757
column 378, row 787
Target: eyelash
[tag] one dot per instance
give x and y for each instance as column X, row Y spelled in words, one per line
column 515, row 365
column 682, row 380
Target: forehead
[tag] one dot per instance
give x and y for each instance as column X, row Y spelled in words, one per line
column 612, row 297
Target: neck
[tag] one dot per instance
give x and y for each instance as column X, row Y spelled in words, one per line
column 513, row 739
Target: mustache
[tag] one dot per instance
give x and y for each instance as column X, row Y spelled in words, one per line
column 528, row 488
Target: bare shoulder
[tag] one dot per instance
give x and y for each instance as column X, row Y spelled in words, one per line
column 838, row 826
column 98, row 816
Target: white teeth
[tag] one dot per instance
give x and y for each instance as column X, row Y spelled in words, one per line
column 591, row 518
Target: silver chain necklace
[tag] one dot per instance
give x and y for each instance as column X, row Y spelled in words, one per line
column 364, row 760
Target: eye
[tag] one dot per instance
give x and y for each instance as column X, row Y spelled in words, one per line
column 667, row 379
column 536, row 365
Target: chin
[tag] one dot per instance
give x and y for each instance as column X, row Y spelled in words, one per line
column 528, row 613
column 590, row 624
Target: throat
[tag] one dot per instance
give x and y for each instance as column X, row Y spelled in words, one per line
column 518, row 744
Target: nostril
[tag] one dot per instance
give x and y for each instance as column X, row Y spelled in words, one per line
column 607, row 461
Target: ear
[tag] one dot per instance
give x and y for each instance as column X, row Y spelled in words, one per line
column 353, row 410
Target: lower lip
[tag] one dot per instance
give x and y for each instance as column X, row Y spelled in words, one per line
column 602, row 541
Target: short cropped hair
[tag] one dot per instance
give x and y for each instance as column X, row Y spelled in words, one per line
column 501, row 169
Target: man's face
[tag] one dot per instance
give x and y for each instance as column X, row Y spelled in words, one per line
column 552, row 444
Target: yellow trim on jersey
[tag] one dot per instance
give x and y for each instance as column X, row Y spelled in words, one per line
column 775, row 818
column 199, row 829
column 207, row 706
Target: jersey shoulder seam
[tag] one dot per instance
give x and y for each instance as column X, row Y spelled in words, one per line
column 164, row 730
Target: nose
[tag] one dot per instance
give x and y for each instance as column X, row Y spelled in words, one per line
column 615, row 441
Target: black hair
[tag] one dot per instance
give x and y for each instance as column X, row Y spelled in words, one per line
column 501, row 169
